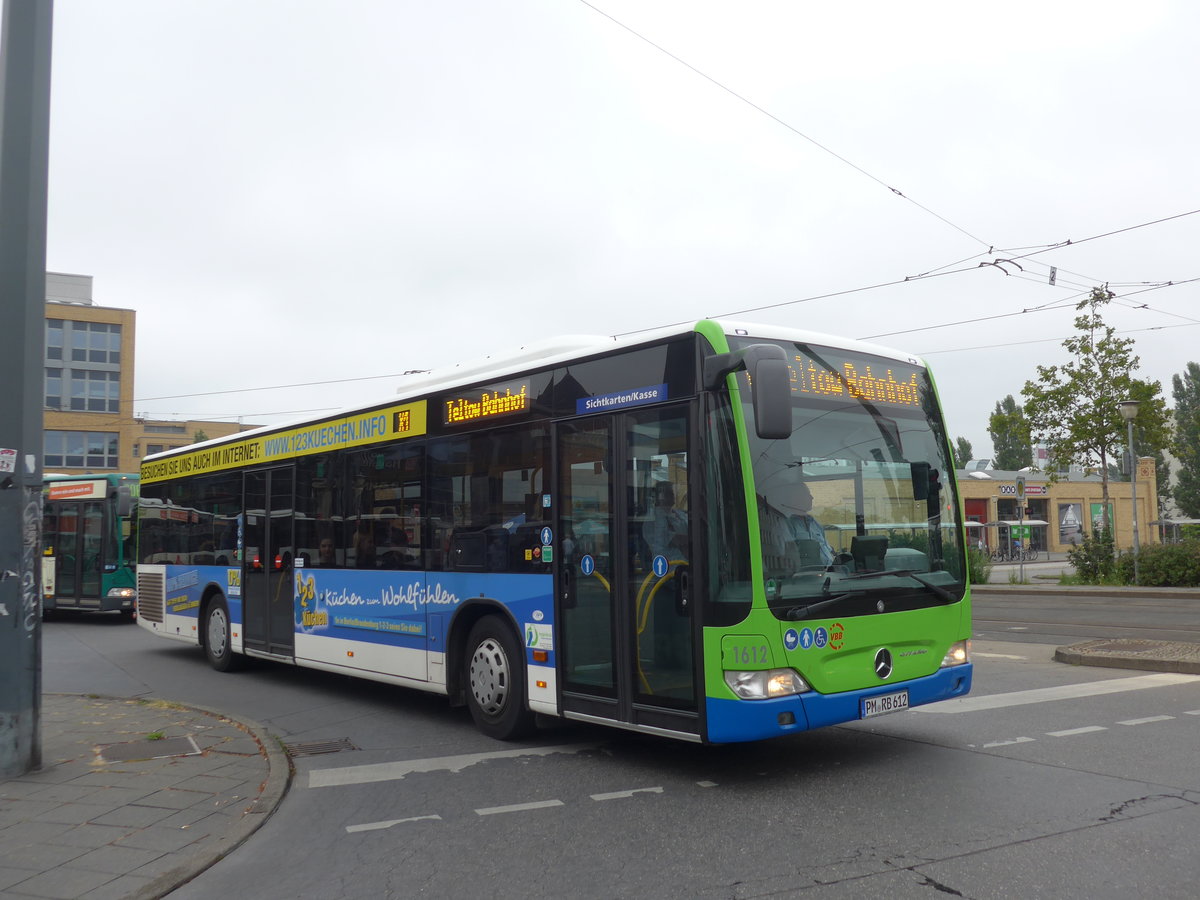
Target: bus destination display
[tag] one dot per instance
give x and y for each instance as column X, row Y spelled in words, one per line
column 486, row 403
column 824, row 373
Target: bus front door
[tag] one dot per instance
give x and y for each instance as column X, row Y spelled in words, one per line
column 625, row 612
column 268, row 620
column 74, row 533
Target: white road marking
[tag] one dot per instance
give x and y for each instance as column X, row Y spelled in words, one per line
column 1020, row 740
column 997, row 655
column 517, row 807
column 714, row 784
column 378, row 826
column 1071, row 732
column 1192, row 712
column 621, row 795
column 1147, row 720
column 394, row 771
column 1062, row 692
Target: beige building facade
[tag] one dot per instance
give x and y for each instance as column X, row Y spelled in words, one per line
column 89, row 424
column 1060, row 513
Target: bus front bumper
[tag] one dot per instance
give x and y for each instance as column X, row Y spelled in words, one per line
column 750, row 720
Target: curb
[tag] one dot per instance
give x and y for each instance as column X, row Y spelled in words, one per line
column 279, row 776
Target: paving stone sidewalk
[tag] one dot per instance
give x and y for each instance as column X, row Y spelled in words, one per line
column 133, row 798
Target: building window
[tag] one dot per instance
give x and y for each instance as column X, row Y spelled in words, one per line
column 166, row 429
column 93, row 391
column 82, row 449
column 54, row 385
column 97, row 342
column 54, row 339
column 154, row 448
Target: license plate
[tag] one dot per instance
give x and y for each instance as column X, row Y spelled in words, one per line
column 883, row 704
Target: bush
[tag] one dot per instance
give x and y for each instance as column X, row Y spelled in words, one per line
column 979, row 565
column 1093, row 558
column 1163, row 565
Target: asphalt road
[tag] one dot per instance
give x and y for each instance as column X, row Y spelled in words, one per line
column 1050, row 617
column 1048, row 781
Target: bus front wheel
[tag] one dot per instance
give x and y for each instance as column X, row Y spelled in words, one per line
column 218, row 645
column 495, row 681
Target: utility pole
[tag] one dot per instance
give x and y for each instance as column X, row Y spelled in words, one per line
column 24, row 159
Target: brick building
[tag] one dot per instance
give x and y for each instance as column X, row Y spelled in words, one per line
column 89, row 424
column 1058, row 513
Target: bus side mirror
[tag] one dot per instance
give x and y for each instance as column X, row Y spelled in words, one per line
column 920, row 479
column 770, row 383
column 124, row 500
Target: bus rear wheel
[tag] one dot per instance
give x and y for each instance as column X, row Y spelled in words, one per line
column 218, row 644
column 494, row 675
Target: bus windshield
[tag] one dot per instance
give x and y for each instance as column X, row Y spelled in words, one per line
column 857, row 509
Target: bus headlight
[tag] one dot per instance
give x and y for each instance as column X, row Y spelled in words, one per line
column 761, row 685
column 958, row 654
column 125, row 593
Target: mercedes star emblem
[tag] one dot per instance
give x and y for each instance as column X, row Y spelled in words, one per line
column 883, row 663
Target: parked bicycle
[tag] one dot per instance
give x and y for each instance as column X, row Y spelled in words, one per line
column 1014, row 554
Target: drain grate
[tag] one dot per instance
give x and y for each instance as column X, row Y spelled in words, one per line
column 316, row 748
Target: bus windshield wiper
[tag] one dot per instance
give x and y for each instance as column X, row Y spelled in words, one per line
column 915, row 576
column 796, row 613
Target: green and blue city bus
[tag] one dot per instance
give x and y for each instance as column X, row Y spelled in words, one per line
column 89, row 540
column 716, row 533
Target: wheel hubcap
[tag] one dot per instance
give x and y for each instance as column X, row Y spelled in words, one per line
column 490, row 676
column 216, row 632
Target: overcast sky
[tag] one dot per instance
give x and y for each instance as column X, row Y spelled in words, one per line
column 293, row 192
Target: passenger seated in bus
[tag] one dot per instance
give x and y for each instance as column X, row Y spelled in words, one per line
column 796, row 502
column 364, row 547
column 666, row 531
column 326, row 554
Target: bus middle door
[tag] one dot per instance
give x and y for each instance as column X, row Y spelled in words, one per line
column 267, row 569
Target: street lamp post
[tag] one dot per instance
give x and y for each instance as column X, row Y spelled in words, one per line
column 1129, row 411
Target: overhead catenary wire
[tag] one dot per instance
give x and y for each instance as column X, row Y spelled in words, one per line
column 1054, row 340
column 948, row 269
column 770, row 115
column 1055, row 304
column 1033, row 250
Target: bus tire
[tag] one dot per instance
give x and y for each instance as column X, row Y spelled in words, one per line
column 218, row 643
column 494, row 675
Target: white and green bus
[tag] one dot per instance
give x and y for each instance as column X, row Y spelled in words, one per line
column 89, row 536
column 716, row 533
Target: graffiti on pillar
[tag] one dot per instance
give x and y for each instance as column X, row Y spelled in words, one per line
column 31, row 539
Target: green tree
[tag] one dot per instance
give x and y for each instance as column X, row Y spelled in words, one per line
column 1185, row 389
column 1073, row 406
column 199, row 436
column 1012, row 446
column 963, row 453
column 1145, row 444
